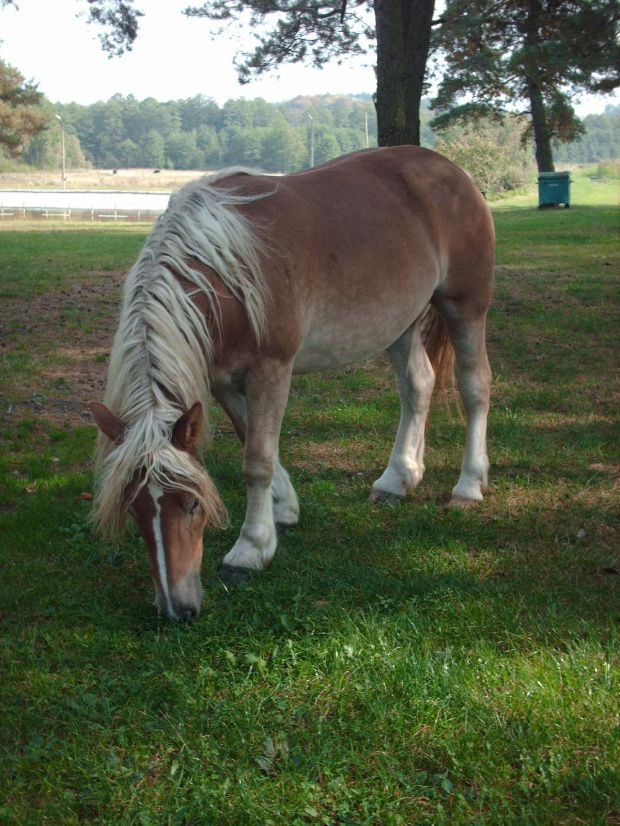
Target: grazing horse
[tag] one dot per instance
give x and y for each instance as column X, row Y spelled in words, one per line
column 248, row 279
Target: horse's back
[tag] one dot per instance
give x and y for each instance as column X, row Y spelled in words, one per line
column 355, row 249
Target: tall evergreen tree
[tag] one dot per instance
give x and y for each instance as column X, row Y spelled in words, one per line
column 501, row 53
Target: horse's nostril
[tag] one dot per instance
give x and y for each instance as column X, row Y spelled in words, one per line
column 186, row 613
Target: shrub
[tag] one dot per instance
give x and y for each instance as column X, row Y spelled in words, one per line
column 493, row 152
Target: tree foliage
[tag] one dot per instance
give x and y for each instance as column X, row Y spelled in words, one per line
column 502, row 53
column 492, row 151
column 21, row 116
column 303, row 32
column 600, row 140
column 196, row 133
column 120, row 19
column 316, row 31
column 43, row 151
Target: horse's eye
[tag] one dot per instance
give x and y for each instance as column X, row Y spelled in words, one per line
column 194, row 506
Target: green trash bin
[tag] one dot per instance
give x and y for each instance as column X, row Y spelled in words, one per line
column 554, row 189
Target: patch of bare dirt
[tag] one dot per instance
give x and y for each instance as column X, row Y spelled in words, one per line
column 67, row 331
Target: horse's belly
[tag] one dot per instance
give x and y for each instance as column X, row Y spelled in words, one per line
column 360, row 306
column 318, row 359
column 333, row 342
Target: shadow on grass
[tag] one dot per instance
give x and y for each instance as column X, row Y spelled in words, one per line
column 349, row 556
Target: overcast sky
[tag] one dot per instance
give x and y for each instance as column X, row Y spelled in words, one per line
column 173, row 58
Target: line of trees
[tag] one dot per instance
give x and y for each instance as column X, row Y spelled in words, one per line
column 599, row 142
column 196, row 133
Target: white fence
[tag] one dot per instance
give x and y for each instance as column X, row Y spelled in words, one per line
column 81, row 205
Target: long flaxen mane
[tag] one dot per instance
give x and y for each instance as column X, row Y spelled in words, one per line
column 161, row 352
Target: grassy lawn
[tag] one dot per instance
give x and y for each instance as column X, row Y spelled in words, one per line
column 403, row 664
column 34, row 258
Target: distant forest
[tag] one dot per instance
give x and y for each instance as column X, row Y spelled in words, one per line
column 601, row 141
column 197, row 133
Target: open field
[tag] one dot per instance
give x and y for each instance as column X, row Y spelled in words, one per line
column 125, row 179
column 403, row 664
column 585, row 190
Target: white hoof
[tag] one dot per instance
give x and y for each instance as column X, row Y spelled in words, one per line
column 251, row 554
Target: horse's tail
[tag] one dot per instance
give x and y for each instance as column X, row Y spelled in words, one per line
column 439, row 350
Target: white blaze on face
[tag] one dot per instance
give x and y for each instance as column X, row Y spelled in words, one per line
column 156, row 494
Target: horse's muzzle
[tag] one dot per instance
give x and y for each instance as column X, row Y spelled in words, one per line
column 184, row 601
column 186, row 613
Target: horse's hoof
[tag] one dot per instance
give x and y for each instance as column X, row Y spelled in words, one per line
column 378, row 497
column 281, row 527
column 232, row 575
column 463, row 504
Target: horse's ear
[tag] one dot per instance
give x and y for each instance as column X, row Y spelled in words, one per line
column 186, row 431
column 107, row 422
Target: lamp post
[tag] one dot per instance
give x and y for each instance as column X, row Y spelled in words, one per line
column 62, row 149
column 311, row 139
column 359, row 103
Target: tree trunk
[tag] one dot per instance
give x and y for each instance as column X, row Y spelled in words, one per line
column 542, row 136
column 403, row 38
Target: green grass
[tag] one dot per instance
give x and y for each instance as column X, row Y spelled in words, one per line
column 583, row 190
column 33, row 259
column 404, row 664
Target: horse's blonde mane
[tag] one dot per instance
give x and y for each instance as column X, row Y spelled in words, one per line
column 161, row 352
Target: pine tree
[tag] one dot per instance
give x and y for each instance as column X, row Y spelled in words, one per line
column 501, row 53
column 21, row 117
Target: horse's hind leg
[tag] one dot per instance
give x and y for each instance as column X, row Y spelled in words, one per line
column 466, row 323
column 414, row 380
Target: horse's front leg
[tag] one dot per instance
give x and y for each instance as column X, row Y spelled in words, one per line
column 283, row 496
column 266, row 390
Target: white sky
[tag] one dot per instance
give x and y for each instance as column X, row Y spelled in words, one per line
column 173, row 58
